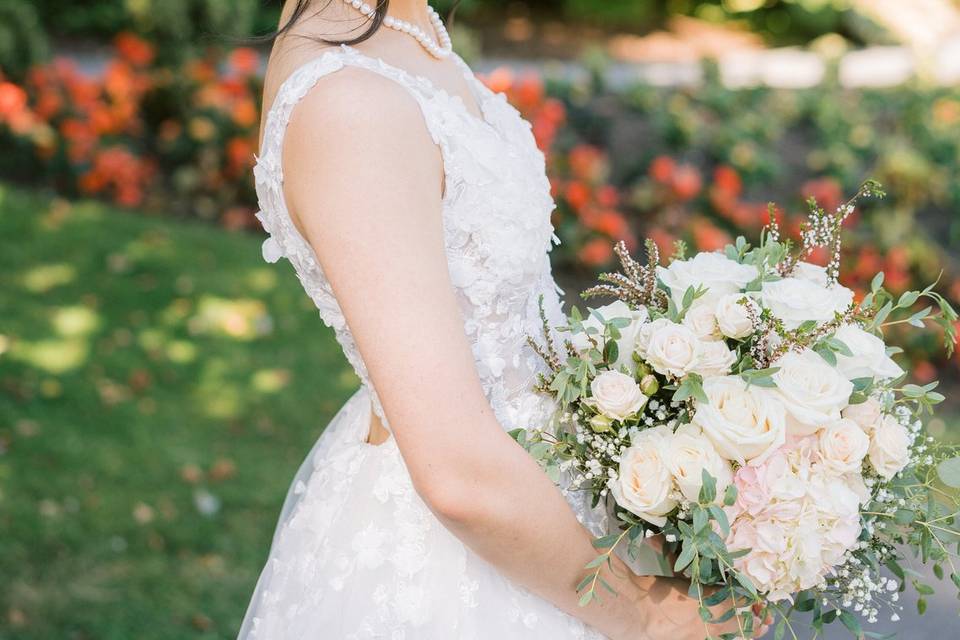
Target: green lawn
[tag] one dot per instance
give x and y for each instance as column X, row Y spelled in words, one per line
column 159, row 385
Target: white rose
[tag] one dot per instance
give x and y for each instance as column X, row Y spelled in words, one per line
column 688, row 454
column 866, row 414
column 716, row 359
column 869, row 360
column 733, row 318
column 672, row 349
column 646, row 332
column 889, row 447
column 745, row 424
column 843, row 446
column 811, row 272
column 718, row 273
column 795, row 301
column 644, row 486
column 617, row 395
column 628, row 335
column 701, row 319
column 811, row 390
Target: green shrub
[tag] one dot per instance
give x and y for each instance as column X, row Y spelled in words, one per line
column 23, row 42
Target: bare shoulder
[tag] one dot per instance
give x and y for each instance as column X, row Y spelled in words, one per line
column 353, row 125
column 359, row 102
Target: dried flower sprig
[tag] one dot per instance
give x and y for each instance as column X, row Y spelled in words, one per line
column 548, row 350
column 823, row 229
column 636, row 284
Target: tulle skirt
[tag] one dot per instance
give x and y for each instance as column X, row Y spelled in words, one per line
column 358, row 555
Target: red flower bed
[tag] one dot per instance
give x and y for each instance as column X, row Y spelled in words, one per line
column 140, row 134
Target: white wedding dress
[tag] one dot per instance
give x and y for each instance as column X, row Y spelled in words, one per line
column 357, row 554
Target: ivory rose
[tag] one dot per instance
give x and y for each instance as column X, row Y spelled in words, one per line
column 646, row 333
column 617, row 395
column 889, row 449
column 796, row 300
column 869, row 359
column 702, row 320
column 733, row 316
column 866, row 414
column 673, row 350
column 644, row 485
column 811, row 390
column 812, row 273
column 716, row 359
column 688, row 454
column 745, row 424
column 843, row 446
column 718, row 273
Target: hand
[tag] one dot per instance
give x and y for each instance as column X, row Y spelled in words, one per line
column 670, row 614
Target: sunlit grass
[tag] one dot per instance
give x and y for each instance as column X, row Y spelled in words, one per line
column 159, row 385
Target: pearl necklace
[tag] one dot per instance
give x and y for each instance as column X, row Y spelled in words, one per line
column 440, row 51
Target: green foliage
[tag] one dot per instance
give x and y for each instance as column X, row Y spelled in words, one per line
column 23, row 42
column 177, row 27
column 149, row 369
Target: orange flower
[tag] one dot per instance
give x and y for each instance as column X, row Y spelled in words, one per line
column 663, row 239
column 612, row 223
column 554, row 111
column 946, row 112
column 577, row 195
column 49, row 103
column 728, row 180
column 608, row 196
column 686, row 182
column 13, row 99
column 244, row 61
column 13, row 108
column 201, row 71
column 708, row 236
column 661, row 169
column 587, row 162
column 924, row 371
column 528, row 92
column 819, row 256
column 133, row 49
column 827, row 192
column 245, row 114
column 499, row 80
column 596, row 252
column 239, row 153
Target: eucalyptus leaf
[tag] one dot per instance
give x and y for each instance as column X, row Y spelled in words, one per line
column 949, row 472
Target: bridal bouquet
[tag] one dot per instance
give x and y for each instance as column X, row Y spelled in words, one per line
column 745, row 406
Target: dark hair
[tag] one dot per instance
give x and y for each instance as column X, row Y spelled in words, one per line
column 380, row 12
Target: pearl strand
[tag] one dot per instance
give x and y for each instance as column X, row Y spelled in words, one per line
column 437, row 50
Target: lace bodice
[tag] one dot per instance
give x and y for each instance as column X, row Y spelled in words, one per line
column 496, row 216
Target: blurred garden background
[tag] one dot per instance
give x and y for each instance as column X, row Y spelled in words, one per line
column 159, row 383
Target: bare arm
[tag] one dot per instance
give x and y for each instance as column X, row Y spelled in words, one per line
column 363, row 178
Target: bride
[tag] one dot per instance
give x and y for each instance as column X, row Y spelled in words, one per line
column 413, row 205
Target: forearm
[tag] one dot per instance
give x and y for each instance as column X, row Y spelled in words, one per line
column 514, row 517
